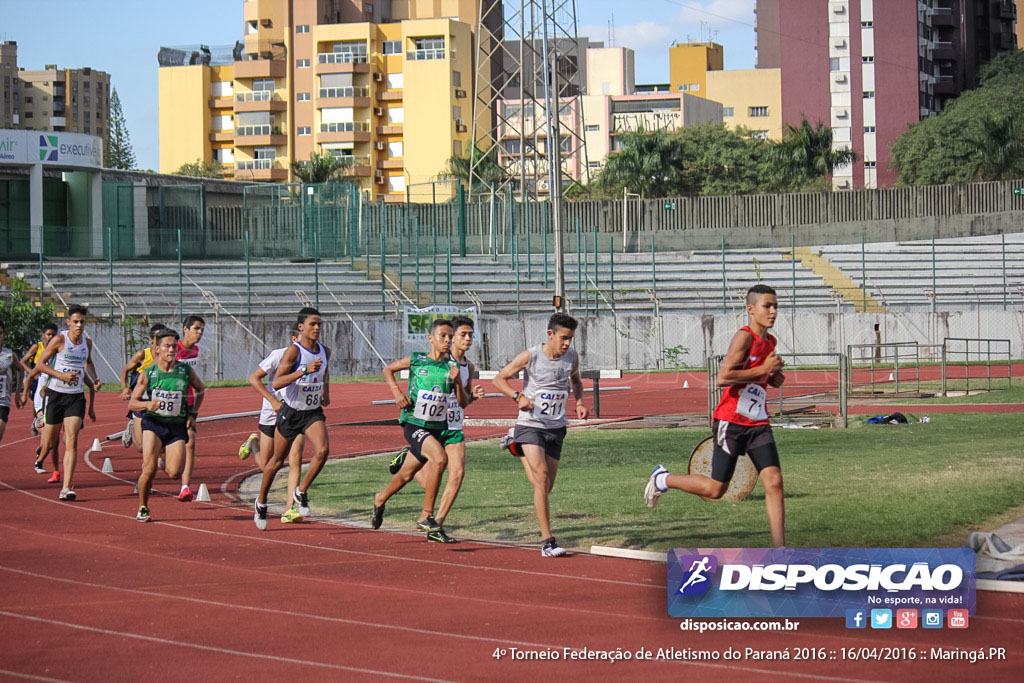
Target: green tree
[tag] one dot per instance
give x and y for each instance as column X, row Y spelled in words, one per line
column 487, row 173
column 999, row 147
column 200, row 169
column 322, row 168
column 805, row 155
column 720, row 161
column 22, row 319
column 117, row 147
column 648, row 163
column 1006, row 63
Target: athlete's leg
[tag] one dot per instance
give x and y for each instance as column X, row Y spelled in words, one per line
column 410, row 467
column 316, row 434
column 175, row 459
column 437, row 461
column 72, row 425
column 456, row 473
column 697, row 484
column 190, row 458
column 264, row 449
column 294, row 467
column 150, row 452
column 137, row 433
column 535, row 462
column 274, row 464
column 774, row 506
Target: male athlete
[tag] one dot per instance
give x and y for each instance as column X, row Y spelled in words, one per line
column 11, row 373
column 64, row 404
column 135, row 366
column 160, row 395
column 433, row 378
column 741, row 422
column 29, row 361
column 549, row 371
column 305, row 380
column 188, row 353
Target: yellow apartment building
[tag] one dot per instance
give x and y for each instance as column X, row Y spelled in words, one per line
column 393, row 96
column 749, row 97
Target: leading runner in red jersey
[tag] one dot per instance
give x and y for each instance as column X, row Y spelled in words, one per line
column 741, row 424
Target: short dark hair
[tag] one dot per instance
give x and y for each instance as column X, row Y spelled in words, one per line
column 304, row 314
column 757, row 291
column 192, row 320
column 165, row 332
column 77, row 308
column 562, row 320
column 50, row 326
column 461, row 321
column 155, row 328
column 440, row 322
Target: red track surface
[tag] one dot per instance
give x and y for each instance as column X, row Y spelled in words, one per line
column 90, row 594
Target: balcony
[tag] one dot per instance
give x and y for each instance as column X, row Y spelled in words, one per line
column 390, row 129
column 260, row 169
column 391, row 163
column 222, row 135
column 433, row 53
column 221, row 102
column 343, row 97
column 259, row 100
column 941, row 16
column 389, row 95
column 358, row 165
column 261, row 68
column 344, row 131
column 941, row 50
column 945, row 85
column 262, row 135
column 341, row 63
column 1006, row 10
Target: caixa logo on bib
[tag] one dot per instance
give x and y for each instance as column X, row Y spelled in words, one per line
column 816, row 582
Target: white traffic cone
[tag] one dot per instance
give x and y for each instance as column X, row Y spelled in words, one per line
column 891, row 378
column 204, row 494
column 96, row 446
column 686, row 385
column 107, row 466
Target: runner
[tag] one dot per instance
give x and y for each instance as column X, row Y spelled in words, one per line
column 262, row 442
column 136, row 365
column 433, row 377
column 304, row 377
column 188, row 353
column 454, row 440
column 65, row 404
column 741, row 423
column 549, row 370
column 29, row 361
column 166, row 415
column 11, row 375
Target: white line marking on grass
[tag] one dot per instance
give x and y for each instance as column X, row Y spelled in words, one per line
column 211, row 648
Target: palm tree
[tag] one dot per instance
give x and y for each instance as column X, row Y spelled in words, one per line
column 806, row 154
column 999, row 147
column 321, row 168
column 487, row 171
column 648, row 164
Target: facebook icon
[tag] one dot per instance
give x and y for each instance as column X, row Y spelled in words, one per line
column 856, row 618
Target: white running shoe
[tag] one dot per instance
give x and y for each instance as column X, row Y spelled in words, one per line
column 126, row 435
column 651, row 492
column 549, row 548
column 302, row 503
column 260, row 516
column 67, row 494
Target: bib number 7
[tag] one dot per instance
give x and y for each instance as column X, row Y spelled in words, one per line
column 751, row 402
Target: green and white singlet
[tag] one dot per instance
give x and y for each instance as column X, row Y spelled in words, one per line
column 170, row 389
column 429, row 389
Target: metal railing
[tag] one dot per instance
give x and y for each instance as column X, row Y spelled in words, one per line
column 345, row 127
column 254, row 96
column 265, row 129
column 256, row 164
column 349, row 91
column 341, row 58
column 431, row 53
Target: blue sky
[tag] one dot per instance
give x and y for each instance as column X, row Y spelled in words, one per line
column 122, row 37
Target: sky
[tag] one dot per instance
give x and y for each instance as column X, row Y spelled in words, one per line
column 122, row 37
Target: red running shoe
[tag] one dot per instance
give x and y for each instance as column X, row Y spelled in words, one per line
column 54, row 478
column 186, row 495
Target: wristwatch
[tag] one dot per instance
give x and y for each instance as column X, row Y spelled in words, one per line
column 515, row 396
column 304, row 370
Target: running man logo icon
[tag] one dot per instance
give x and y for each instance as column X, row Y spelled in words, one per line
column 696, row 581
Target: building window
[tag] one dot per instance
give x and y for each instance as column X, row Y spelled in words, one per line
column 28, row 115
column 512, row 146
column 28, row 100
column 728, row 111
column 870, row 164
column 301, row 63
column 302, row 28
column 593, row 164
column 869, row 94
column 869, row 129
column 457, row 79
column 396, row 150
column 759, row 134
column 592, row 128
column 305, row 130
column 303, row 97
column 867, row 59
column 867, row 24
column 428, row 48
column 263, row 84
column 833, row 64
column 396, row 183
column 758, row 111
column 392, row 47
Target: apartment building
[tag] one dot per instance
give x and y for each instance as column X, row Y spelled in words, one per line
column 386, row 86
column 72, row 100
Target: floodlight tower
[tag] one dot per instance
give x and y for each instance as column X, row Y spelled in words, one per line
column 528, row 105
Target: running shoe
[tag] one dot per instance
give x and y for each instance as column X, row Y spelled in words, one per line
column 143, row 514
column 302, row 502
column 245, row 450
column 185, row 495
column 440, row 536
column 37, row 425
column 508, row 441
column 38, row 467
column 378, row 517
column 292, row 516
column 397, row 461
column 67, row 494
column 651, row 492
column 550, row 548
column 126, row 436
column 260, row 518
column 429, row 525
column 54, row 478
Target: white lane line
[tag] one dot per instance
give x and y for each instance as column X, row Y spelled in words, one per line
column 31, row 677
column 211, row 648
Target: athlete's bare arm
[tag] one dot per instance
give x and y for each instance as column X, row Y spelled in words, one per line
column 577, row 390
column 133, row 364
column 401, row 399
column 287, row 372
column 512, row 370
column 732, row 370
column 256, row 382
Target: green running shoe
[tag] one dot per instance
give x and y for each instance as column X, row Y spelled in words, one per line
column 397, row 461
column 292, row 516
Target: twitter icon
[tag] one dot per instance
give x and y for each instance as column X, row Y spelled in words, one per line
column 881, row 618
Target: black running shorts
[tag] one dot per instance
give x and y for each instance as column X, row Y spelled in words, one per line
column 167, row 432
column 291, row 422
column 733, row 440
column 416, row 436
column 59, row 406
column 548, row 439
column 268, row 430
column 5, row 411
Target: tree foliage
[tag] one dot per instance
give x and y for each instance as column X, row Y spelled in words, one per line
column 486, row 174
column 22, row 319
column 117, row 147
column 200, row 169
column 322, row 168
column 979, row 135
column 805, row 157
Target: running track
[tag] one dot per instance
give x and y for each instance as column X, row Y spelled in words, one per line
column 90, row 594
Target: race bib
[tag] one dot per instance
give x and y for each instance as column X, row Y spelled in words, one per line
column 4, row 389
column 751, row 402
column 170, row 403
column 311, row 394
column 74, row 383
column 550, row 405
column 456, row 414
column 431, row 406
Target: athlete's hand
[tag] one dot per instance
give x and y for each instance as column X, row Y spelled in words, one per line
column 19, row 401
column 401, row 400
column 581, row 410
column 126, row 394
column 314, row 367
column 70, row 377
column 776, row 379
column 478, row 392
column 97, row 384
column 453, row 371
column 325, row 400
column 773, row 363
column 524, row 403
column 275, row 405
column 190, row 423
column 154, row 406
column 92, row 412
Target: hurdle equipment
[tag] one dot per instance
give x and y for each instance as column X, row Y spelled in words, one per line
column 108, row 466
column 204, row 494
column 744, row 478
